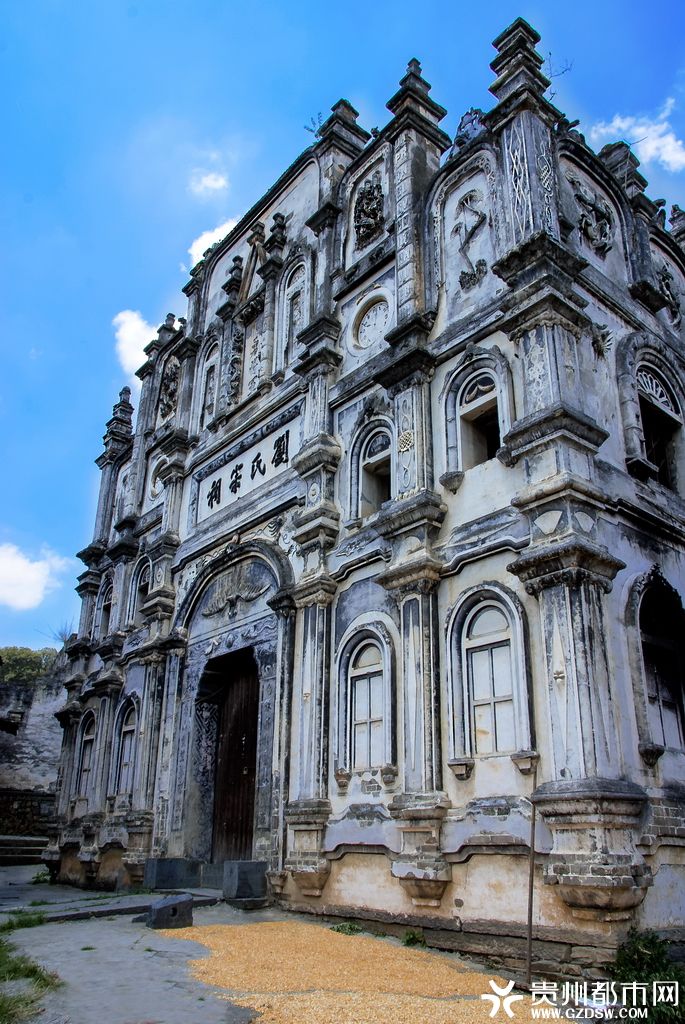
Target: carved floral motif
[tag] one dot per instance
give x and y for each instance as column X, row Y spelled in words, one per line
column 368, row 211
column 471, row 219
column 240, row 584
column 168, row 393
column 596, row 222
column 667, row 288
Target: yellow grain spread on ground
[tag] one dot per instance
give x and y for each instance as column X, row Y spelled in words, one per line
column 294, row 973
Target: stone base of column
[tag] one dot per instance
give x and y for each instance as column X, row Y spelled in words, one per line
column 594, row 861
column 305, row 861
column 420, row 868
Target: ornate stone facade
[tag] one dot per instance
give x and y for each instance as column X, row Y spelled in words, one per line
column 395, row 551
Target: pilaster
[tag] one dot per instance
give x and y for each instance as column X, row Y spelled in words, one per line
column 418, row 144
column 522, row 121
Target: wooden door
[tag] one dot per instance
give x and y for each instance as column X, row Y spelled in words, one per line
column 236, row 764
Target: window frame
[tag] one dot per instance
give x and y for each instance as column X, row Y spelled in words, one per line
column 356, row 677
column 86, row 737
column 361, row 440
column 122, row 733
column 135, row 615
column 643, row 351
column 667, row 597
column 357, row 637
column 469, row 646
column 461, row 739
column 476, row 361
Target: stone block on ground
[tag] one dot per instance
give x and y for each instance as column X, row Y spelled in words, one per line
column 244, row 879
column 171, row 912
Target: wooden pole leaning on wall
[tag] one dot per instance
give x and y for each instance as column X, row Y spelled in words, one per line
column 531, row 884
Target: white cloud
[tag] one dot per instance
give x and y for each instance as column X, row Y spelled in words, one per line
column 207, row 238
column 133, row 333
column 24, row 582
column 653, row 139
column 203, row 183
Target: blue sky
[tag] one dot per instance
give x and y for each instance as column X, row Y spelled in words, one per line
column 132, row 128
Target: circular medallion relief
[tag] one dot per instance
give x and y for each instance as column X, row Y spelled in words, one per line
column 371, row 327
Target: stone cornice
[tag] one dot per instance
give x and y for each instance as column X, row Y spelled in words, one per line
column 325, row 217
column 555, row 420
column 567, row 562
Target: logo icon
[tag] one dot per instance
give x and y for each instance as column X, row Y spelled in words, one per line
column 501, row 999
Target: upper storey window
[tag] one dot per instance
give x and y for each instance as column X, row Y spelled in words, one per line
column 293, row 315
column 209, row 376
column 661, row 424
column 479, row 427
column 105, row 611
column 661, row 625
column 375, row 473
column 140, row 591
column 479, row 409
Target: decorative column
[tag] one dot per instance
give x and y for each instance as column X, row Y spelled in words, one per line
column 624, row 166
column 146, row 419
column 411, row 523
column 269, row 272
column 523, row 120
column 118, row 441
column 309, row 808
column 284, row 606
column 418, row 144
column 233, row 343
column 593, row 814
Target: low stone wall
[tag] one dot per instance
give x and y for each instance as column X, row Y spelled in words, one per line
column 25, row 812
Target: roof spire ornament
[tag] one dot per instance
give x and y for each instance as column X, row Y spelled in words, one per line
column 518, row 63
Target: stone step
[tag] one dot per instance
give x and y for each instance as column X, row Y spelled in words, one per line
column 19, row 850
column 19, row 857
column 23, row 842
column 255, row 903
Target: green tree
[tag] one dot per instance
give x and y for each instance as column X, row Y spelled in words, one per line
column 24, row 665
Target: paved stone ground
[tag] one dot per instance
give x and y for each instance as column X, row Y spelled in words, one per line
column 17, row 892
column 133, row 975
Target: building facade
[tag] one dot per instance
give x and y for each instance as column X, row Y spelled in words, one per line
column 395, row 551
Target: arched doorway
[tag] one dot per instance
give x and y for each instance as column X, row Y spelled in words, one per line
column 230, row 686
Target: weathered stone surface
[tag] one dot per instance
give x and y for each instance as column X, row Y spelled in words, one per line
column 380, row 578
column 171, row 912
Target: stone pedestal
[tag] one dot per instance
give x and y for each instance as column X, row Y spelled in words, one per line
column 593, row 860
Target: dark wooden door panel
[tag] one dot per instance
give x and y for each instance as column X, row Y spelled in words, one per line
column 236, row 763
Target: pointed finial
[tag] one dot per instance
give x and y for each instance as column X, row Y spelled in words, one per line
column 414, row 67
column 518, row 64
column 677, row 222
column 170, row 321
column 125, row 395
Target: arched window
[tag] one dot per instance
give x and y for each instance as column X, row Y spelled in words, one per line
column 292, row 315
column 209, row 387
column 489, row 674
column 479, row 427
column 125, row 761
column 661, row 423
column 105, row 611
column 491, row 712
column 661, row 631
column 479, row 410
column 85, row 755
column 375, row 472
column 140, row 591
column 367, row 698
column 366, row 738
